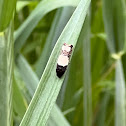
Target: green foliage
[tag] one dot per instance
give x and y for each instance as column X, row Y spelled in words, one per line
column 7, row 8
column 114, row 19
column 6, row 75
column 49, row 81
column 92, row 92
column 19, row 102
column 120, row 96
column 31, row 85
column 87, row 77
column 55, row 31
column 42, row 8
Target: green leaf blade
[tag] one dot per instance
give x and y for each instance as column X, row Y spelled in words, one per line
column 61, row 18
column 43, row 8
column 6, row 75
column 87, row 74
column 50, row 84
column 114, row 20
column 6, row 12
column 60, row 121
column 120, row 117
column 31, row 84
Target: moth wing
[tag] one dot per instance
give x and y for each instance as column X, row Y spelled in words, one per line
column 60, row 70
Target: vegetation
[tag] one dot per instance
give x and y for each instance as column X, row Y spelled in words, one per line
column 91, row 92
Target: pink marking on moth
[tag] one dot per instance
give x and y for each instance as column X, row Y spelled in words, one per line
column 63, row 59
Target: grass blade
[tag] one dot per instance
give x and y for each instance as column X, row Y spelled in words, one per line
column 42, row 9
column 114, row 20
column 6, row 12
column 120, row 117
column 21, row 4
column 31, row 84
column 57, row 119
column 6, row 72
column 70, row 96
column 124, row 8
column 60, row 20
column 26, row 74
column 19, row 103
column 87, row 74
column 103, row 110
column 49, row 85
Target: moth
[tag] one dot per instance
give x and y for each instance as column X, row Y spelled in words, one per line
column 63, row 59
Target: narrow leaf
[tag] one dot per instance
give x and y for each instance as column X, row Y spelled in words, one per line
column 57, row 119
column 49, row 85
column 22, row 4
column 31, row 81
column 6, row 72
column 120, row 117
column 26, row 74
column 60, row 20
column 87, row 74
column 6, row 12
column 103, row 109
column 114, row 20
column 19, row 104
column 124, row 8
column 30, row 23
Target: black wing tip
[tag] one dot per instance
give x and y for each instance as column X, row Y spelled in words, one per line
column 60, row 70
column 59, row 74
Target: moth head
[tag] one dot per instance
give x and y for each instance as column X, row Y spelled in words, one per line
column 71, row 46
column 67, row 47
